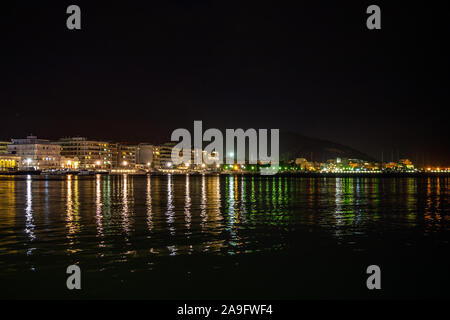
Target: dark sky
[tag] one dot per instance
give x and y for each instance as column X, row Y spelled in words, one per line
column 136, row 71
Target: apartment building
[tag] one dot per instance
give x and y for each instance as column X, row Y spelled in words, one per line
column 36, row 154
column 91, row 154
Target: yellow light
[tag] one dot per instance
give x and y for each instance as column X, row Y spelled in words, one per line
column 125, row 163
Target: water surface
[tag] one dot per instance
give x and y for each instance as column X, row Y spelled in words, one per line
column 223, row 236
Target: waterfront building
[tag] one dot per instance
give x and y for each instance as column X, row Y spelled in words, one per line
column 123, row 155
column 70, row 163
column 342, row 162
column 355, row 163
column 156, row 163
column 165, row 155
column 401, row 165
column 300, row 161
column 144, row 155
column 304, row 164
column 405, row 164
column 390, row 165
column 3, row 147
column 373, row 166
column 212, row 158
column 92, row 154
column 36, row 154
column 209, row 162
column 9, row 162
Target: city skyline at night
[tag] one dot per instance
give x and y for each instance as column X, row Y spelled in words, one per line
column 220, row 159
column 69, row 155
column 140, row 75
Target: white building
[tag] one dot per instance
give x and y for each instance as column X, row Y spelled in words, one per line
column 37, row 154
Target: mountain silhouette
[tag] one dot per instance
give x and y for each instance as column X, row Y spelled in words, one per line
column 294, row 145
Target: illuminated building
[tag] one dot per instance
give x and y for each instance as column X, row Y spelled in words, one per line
column 156, row 156
column 36, row 154
column 3, row 149
column 304, row 164
column 70, row 163
column 165, row 155
column 212, row 160
column 390, row 165
column 92, row 154
column 163, row 159
column 123, row 155
column 9, row 162
column 405, row 164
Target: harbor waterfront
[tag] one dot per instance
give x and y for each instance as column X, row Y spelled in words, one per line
column 79, row 155
column 417, row 174
column 224, row 236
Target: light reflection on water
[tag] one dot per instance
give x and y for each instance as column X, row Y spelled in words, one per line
column 121, row 218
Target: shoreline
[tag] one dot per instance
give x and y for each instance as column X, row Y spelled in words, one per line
column 281, row 174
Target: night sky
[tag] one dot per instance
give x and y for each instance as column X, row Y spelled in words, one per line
column 136, row 71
